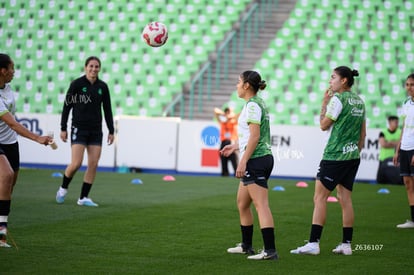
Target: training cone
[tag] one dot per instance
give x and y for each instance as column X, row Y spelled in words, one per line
column 332, row 199
column 301, row 184
column 57, row 175
column 168, row 178
column 136, row 181
column 383, row 191
column 278, row 188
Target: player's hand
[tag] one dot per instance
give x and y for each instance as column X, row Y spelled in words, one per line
column 241, row 169
column 328, row 93
column 45, row 140
column 64, row 136
column 395, row 159
column 110, row 139
column 228, row 150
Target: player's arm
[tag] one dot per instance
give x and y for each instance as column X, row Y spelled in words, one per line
column 254, row 137
column 362, row 135
column 397, row 149
column 9, row 119
column 325, row 121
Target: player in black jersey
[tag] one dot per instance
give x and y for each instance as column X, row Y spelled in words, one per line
column 86, row 97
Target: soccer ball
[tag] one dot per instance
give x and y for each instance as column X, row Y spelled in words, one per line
column 155, row 34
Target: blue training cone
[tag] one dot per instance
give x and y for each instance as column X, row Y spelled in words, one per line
column 278, row 188
column 136, row 181
column 383, row 191
column 57, row 175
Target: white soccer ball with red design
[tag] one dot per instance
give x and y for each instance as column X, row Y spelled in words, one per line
column 155, row 34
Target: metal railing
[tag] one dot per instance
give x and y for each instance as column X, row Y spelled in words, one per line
column 227, row 53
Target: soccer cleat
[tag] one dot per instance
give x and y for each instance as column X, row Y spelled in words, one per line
column 264, row 255
column 308, row 249
column 407, row 224
column 61, row 194
column 86, row 202
column 343, row 248
column 3, row 237
column 241, row 249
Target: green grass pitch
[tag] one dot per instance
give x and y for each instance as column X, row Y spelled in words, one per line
column 185, row 227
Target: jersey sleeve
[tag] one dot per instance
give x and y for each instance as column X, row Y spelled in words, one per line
column 3, row 108
column 334, row 108
column 67, row 106
column 254, row 113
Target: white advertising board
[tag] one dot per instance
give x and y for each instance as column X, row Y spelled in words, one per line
column 190, row 146
column 33, row 153
column 147, row 142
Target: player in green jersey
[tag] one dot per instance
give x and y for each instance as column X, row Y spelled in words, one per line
column 343, row 117
column 254, row 168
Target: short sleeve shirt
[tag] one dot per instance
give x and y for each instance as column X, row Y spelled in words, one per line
column 407, row 115
column 7, row 105
column 255, row 111
column 347, row 110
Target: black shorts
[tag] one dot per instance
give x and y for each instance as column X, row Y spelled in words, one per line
column 258, row 170
column 332, row 172
column 86, row 137
column 406, row 169
column 12, row 154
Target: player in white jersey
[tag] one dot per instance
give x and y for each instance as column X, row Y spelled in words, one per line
column 404, row 153
column 9, row 147
column 254, row 168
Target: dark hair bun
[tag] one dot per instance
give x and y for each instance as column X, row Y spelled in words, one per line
column 355, row 73
column 262, row 85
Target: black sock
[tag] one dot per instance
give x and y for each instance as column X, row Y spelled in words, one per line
column 268, row 238
column 86, row 187
column 4, row 211
column 347, row 234
column 247, row 235
column 412, row 212
column 316, row 233
column 65, row 182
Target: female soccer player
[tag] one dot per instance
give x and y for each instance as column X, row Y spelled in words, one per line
column 9, row 147
column 254, row 168
column 86, row 97
column 343, row 115
column 405, row 150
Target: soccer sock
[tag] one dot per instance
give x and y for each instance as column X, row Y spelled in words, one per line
column 316, row 233
column 86, row 187
column 4, row 211
column 65, row 182
column 247, row 235
column 268, row 238
column 412, row 212
column 347, row 234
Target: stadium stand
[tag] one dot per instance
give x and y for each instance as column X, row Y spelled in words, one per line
column 374, row 37
column 49, row 41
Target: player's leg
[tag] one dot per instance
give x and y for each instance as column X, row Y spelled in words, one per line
column 6, row 181
column 246, row 222
column 77, row 153
column 260, row 169
column 259, row 195
column 94, row 154
column 319, row 211
column 409, row 187
column 407, row 172
column 345, row 199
